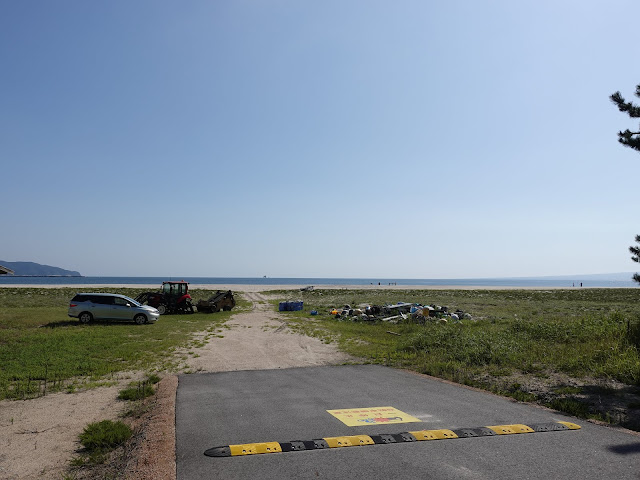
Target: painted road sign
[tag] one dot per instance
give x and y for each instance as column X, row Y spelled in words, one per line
column 358, row 417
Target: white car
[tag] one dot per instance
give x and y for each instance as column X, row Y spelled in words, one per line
column 110, row 306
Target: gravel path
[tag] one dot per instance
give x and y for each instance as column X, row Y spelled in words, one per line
column 260, row 340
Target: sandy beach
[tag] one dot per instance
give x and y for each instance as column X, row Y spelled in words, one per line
column 266, row 288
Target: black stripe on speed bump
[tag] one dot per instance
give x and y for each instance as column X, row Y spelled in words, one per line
column 473, row 432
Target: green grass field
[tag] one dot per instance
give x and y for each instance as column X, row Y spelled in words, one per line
column 516, row 342
column 42, row 349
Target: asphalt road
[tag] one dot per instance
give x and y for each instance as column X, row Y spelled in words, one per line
column 284, row 405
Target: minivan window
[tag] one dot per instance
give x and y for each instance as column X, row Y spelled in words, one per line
column 102, row 300
column 132, row 301
column 120, row 301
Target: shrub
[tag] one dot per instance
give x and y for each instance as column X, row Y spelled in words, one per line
column 104, row 435
column 142, row 390
column 633, row 333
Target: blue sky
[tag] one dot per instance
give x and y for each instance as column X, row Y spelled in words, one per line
column 360, row 138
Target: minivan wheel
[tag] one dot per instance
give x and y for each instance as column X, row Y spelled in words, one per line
column 140, row 319
column 85, row 317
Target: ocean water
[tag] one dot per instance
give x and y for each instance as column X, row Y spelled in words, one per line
column 456, row 282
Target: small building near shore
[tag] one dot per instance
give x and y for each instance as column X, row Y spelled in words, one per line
column 6, row 271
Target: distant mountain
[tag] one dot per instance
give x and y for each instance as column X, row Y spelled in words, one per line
column 35, row 269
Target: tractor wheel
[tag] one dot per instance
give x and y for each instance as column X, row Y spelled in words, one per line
column 162, row 309
column 188, row 308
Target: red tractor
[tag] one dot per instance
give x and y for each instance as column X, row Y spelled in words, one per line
column 172, row 298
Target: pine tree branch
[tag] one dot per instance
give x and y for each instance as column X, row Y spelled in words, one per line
column 629, row 139
column 624, row 106
column 635, row 251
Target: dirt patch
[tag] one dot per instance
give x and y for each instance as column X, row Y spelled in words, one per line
column 38, row 437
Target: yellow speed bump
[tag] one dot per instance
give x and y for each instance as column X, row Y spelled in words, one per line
column 571, row 426
column 349, row 441
column 442, row 434
column 511, row 429
column 255, row 448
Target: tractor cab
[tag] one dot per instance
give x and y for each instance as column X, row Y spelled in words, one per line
column 175, row 289
column 176, row 296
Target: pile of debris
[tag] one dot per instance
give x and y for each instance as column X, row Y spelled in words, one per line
column 400, row 312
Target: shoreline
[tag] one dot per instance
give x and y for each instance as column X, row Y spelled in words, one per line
column 265, row 288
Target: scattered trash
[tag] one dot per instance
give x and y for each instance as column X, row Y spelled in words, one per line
column 307, row 289
column 314, row 312
column 400, row 312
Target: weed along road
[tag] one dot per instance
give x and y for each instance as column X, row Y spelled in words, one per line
column 367, row 421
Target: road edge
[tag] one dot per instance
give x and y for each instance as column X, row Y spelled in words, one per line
column 154, row 456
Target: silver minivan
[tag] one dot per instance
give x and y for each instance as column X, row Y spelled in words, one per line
column 110, row 306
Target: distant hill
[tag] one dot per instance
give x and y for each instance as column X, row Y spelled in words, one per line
column 35, row 269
